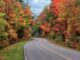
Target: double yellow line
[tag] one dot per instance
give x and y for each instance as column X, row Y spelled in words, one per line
column 52, row 51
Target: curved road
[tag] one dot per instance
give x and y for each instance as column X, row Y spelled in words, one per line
column 41, row 49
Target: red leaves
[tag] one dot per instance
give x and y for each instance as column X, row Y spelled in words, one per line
column 42, row 27
column 1, row 9
column 20, row 7
column 56, row 2
column 59, row 20
column 60, row 26
column 20, row 19
column 8, row 1
column 11, row 14
column 27, row 12
column 18, row 4
column 55, row 10
column 56, row 29
column 74, row 45
column 45, row 27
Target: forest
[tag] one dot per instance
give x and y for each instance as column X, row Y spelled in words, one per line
column 59, row 21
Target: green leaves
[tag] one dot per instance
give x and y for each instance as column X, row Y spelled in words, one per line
column 3, row 34
column 78, row 2
column 2, row 14
column 2, row 25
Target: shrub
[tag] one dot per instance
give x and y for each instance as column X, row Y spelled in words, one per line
column 59, row 37
column 20, row 31
column 3, row 34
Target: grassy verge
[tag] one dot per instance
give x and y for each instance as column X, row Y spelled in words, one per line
column 13, row 52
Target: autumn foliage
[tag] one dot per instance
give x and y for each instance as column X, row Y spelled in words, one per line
column 13, row 22
column 59, row 21
column 62, row 21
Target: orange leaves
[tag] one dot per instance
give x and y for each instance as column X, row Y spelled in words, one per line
column 15, row 20
column 42, row 27
column 7, row 1
column 1, row 9
column 11, row 14
column 18, row 4
column 21, row 11
column 56, row 2
column 55, row 5
column 59, row 20
column 55, row 10
column 27, row 11
column 45, row 27
column 20, row 19
column 31, row 22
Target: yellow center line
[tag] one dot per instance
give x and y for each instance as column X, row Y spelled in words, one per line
column 61, row 55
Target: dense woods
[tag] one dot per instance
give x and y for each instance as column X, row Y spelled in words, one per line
column 14, row 22
column 59, row 21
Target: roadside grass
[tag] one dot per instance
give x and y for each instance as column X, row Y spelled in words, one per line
column 13, row 52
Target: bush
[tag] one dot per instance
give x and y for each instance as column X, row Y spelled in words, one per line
column 3, row 33
column 20, row 31
column 75, row 38
column 73, row 42
column 59, row 38
column 3, row 36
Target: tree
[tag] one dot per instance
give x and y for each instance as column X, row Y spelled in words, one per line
column 22, row 2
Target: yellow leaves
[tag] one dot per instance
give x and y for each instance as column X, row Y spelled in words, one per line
column 15, row 15
column 23, row 23
column 1, row 3
column 12, row 33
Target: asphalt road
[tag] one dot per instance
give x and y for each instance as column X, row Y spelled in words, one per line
column 41, row 49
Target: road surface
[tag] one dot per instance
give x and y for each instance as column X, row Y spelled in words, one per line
column 41, row 49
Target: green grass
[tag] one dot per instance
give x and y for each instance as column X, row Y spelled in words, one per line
column 13, row 52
